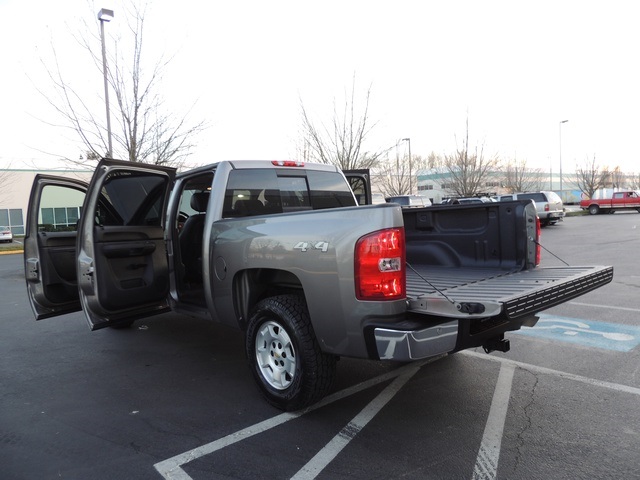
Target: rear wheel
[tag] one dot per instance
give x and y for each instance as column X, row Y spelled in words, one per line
column 284, row 355
column 594, row 209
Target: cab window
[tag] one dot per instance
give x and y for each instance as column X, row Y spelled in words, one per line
column 131, row 199
column 60, row 209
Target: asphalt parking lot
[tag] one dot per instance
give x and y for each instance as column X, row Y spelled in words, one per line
column 172, row 397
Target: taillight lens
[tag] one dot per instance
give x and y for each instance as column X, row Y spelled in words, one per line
column 380, row 272
column 538, row 247
column 546, row 207
column 287, row 163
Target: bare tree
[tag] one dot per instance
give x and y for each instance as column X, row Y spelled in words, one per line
column 519, row 178
column 392, row 176
column 5, row 183
column 617, row 178
column 341, row 142
column 145, row 131
column 468, row 170
column 590, row 177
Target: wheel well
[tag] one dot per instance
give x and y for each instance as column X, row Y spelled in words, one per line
column 251, row 286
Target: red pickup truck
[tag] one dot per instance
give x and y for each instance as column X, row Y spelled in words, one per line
column 628, row 200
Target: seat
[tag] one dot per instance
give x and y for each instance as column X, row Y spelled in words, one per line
column 191, row 238
column 248, row 208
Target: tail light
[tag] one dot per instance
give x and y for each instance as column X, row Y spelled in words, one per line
column 287, row 163
column 380, row 272
column 538, row 247
column 546, row 207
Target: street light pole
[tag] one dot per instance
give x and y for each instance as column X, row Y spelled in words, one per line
column 408, row 140
column 560, row 148
column 105, row 15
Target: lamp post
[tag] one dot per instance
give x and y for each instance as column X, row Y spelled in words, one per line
column 560, row 148
column 408, row 140
column 105, row 15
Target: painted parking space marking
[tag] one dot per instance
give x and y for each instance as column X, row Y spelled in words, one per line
column 488, row 455
column 486, row 467
column 324, row 457
column 608, row 307
column 171, row 468
column 590, row 333
column 617, row 387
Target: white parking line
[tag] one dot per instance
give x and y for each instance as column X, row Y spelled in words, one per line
column 324, row 457
column 570, row 376
column 170, row 468
column 489, row 453
column 608, row 307
column 486, row 463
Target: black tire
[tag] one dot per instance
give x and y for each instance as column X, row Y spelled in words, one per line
column 284, row 355
column 594, row 209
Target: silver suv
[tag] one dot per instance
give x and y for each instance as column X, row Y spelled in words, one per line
column 548, row 205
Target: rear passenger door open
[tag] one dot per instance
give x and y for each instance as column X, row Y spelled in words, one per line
column 104, row 251
column 122, row 264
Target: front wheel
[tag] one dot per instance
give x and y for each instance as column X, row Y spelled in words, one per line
column 594, row 209
column 284, row 355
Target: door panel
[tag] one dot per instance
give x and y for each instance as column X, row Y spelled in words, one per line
column 131, row 267
column 54, row 207
column 123, row 269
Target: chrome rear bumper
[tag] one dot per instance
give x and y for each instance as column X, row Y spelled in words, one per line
column 405, row 345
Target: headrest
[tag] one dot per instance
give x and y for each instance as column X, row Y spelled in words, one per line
column 199, row 201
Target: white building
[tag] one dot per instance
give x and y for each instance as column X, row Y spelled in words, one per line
column 15, row 187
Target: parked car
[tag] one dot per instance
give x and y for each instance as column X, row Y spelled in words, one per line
column 548, row 205
column 5, row 234
column 409, row 201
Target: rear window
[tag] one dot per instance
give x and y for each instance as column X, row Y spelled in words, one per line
column 263, row 191
column 536, row 197
column 553, row 197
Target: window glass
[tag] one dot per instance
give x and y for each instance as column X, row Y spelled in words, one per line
column 294, row 193
column 132, row 198
column 13, row 219
column 359, row 188
column 329, row 190
column 262, row 191
column 59, row 208
column 536, row 197
column 251, row 192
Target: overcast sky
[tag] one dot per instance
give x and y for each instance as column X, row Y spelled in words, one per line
column 515, row 69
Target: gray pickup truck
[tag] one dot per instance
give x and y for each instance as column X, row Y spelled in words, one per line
column 284, row 252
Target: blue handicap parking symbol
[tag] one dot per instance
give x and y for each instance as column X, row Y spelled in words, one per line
column 610, row 336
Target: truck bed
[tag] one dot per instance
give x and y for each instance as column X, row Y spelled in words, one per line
column 518, row 293
column 479, row 261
